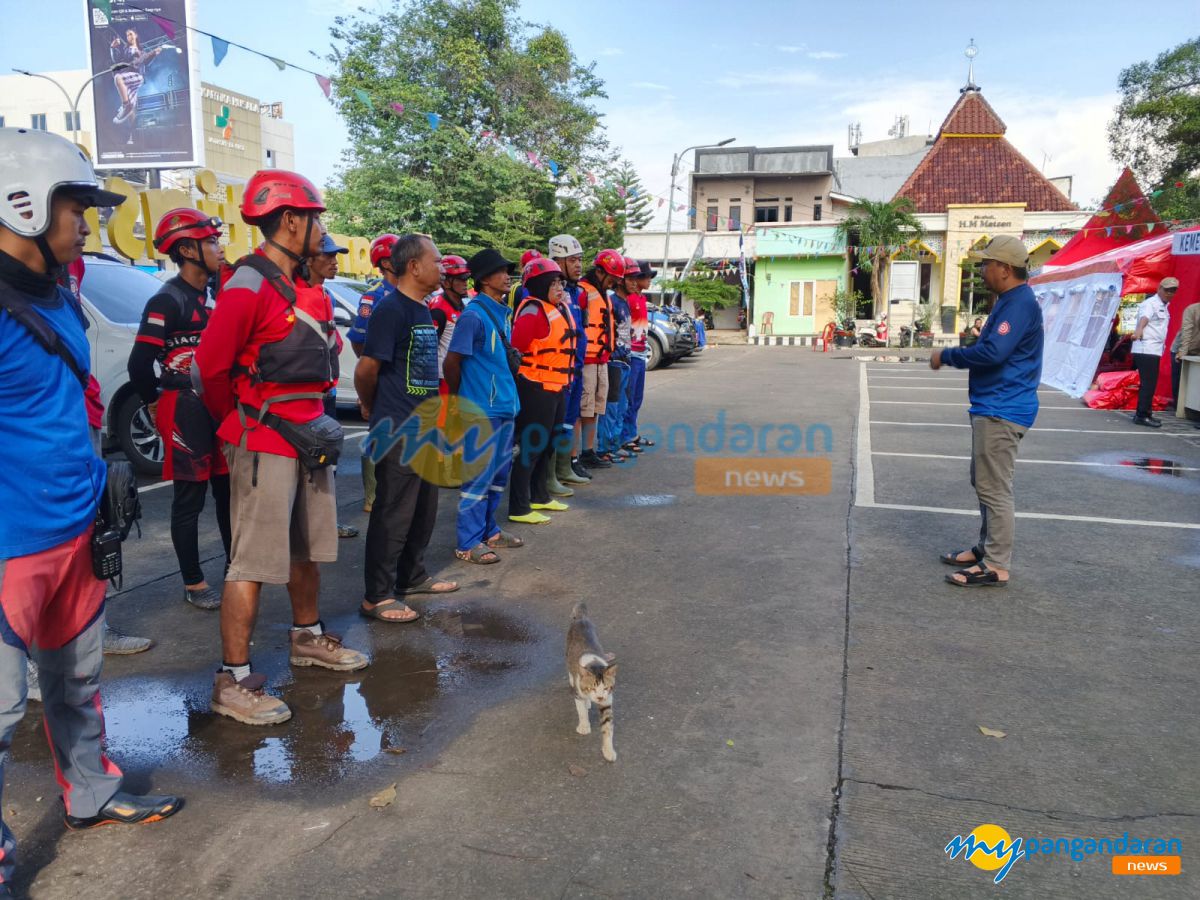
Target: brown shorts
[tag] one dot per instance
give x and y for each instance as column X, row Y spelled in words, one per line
column 594, row 400
column 287, row 500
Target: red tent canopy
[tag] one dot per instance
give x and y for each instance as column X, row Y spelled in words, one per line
column 1110, row 228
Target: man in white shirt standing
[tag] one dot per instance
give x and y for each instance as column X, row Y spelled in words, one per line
column 1149, row 340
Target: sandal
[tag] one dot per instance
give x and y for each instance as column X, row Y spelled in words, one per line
column 428, row 586
column 641, row 440
column 478, row 554
column 384, row 606
column 985, row 577
column 952, row 558
column 504, row 540
column 632, row 447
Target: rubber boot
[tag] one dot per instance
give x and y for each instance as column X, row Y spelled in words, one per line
column 563, row 471
column 554, row 484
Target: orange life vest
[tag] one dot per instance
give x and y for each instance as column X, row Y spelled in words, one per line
column 601, row 329
column 550, row 360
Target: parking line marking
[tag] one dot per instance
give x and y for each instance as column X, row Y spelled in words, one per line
column 1123, row 431
column 1043, row 462
column 906, row 387
column 964, row 405
column 154, row 487
column 864, row 468
column 1055, row 517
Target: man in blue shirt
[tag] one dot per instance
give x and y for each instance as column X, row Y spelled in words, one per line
column 396, row 374
column 51, row 602
column 1005, row 367
column 483, row 396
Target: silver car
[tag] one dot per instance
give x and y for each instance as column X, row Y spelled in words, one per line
column 114, row 296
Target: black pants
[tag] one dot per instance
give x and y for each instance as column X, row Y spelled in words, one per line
column 186, row 506
column 1176, row 375
column 399, row 530
column 534, row 445
column 1147, row 369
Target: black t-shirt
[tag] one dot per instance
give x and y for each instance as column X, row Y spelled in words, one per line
column 400, row 334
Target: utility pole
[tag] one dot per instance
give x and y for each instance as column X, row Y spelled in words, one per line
column 74, row 104
column 671, row 205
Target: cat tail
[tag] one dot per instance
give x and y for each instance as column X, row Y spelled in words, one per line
column 579, row 612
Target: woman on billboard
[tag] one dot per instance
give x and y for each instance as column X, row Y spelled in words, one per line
column 130, row 78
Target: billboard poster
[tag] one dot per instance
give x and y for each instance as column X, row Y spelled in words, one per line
column 146, row 95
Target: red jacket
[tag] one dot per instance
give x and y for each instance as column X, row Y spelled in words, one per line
column 249, row 313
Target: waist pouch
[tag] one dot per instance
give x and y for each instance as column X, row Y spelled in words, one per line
column 317, row 443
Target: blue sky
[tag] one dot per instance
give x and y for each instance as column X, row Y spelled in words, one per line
column 776, row 73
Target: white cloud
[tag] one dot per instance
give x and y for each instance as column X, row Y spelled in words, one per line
column 776, row 78
column 789, row 48
column 825, row 54
column 648, row 86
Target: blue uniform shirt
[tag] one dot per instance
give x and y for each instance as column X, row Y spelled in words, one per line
column 357, row 333
column 573, row 291
column 487, row 380
column 51, row 478
column 1006, row 362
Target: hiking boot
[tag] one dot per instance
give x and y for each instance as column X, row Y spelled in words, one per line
column 590, row 460
column 202, row 598
column 117, row 644
column 578, row 468
column 326, row 651
column 128, row 809
column 33, row 688
column 246, row 701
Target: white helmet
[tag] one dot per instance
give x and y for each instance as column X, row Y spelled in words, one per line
column 564, row 245
column 33, row 165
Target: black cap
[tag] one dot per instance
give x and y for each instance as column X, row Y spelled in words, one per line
column 485, row 262
column 646, row 271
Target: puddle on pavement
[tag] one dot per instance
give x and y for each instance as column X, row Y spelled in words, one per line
column 1154, row 466
column 457, row 661
column 635, row 501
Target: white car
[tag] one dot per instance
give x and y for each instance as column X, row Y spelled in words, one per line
column 114, row 296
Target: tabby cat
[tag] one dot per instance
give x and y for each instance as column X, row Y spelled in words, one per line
column 592, row 674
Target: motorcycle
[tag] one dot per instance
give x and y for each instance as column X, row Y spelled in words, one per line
column 843, row 335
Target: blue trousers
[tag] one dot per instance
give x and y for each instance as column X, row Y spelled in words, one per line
column 480, row 497
column 609, row 438
column 635, row 392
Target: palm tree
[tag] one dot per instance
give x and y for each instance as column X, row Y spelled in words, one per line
column 881, row 227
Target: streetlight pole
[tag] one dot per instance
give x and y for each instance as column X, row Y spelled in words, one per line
column 115, row 67
column 671, row 204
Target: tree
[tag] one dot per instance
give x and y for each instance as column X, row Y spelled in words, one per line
column 878, row 228
column 491, row 77
column 637, row 209
column 1156, row 129
column 705, row 287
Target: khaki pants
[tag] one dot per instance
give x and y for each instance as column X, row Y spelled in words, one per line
column 993, row 458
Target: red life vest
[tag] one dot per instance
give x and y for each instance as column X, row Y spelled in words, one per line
column 550, row 360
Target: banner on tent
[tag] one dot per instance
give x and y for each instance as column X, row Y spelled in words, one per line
column 1077, row 317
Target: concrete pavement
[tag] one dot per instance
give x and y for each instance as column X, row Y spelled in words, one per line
column 799, row 695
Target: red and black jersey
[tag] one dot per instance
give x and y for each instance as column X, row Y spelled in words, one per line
column 169, row 333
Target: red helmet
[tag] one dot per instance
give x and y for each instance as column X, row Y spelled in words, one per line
column 181, row 223
column 381, row 248
column 455, row 267
column 612, row 262
column 539, row 265
column 633, row 268
column 528, row 256
column 274, row 189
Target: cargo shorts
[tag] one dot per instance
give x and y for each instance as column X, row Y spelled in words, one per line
column 280, row 512
column 595, row 390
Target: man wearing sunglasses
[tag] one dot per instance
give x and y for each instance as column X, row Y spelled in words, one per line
column 169, row 333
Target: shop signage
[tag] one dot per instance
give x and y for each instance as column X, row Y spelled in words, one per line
column 1186, row 243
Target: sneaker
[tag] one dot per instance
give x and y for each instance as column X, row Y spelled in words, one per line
column 578, row 468
column 592, row 461
column 326, row 651
column 202, row 598
column 347, row 531
column 33, row 688
column 117, row 644
column 246, row 701
column 1147, row 422
column 128, row 809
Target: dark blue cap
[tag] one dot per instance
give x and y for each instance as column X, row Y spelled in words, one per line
column 329, row 245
